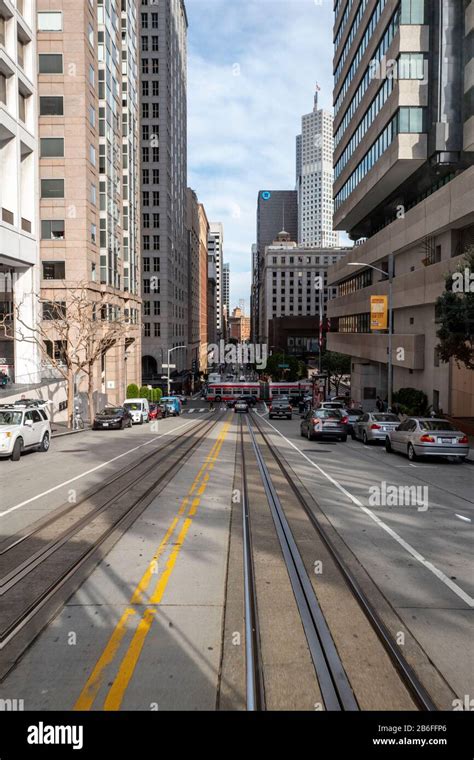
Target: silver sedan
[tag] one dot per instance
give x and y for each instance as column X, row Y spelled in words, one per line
column 424, row 436
column 374, row 426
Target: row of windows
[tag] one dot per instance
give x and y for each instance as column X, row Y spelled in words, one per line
column 156, row 330
column 361, row 280
column 379, row 53
column 154, row 196
column 155, row 155
column 146, row 218
column 148, row 240
column 343, row 23
column 147, row 308
column 147, row 264
column 350, row 39
column 405, row 120
column 155, row 67
column 154, row 44
column 154, row 21
column 152, row 286
column 155, row 88
column 371, row 26
column 146, row 176
column 354, row 323
column 155, row 111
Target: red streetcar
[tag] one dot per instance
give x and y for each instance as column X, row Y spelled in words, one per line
column 231, row 391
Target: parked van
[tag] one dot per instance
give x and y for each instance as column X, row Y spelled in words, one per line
column 174, row 402
column 139, row 408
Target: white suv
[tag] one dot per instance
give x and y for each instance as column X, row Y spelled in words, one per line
column 23, row 428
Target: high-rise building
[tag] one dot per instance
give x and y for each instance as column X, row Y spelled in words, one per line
column 404, row 187
column 198, row 231
column 216, row 248
column 211, row 296
column 19, row 228
column 314, row 179
column 88, row 109
column 295, row 293
column 163, row 125
column 226, row 287
column 276, row 210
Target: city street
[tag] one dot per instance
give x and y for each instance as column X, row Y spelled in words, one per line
column 157, row 621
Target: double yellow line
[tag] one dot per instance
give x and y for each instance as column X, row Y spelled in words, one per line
column 119, row 686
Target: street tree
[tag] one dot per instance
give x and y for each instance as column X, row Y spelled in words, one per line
column 455, row 314
column 336, row 366
column 71, row 335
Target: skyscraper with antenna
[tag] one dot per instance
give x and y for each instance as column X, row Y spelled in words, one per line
column 314, row 178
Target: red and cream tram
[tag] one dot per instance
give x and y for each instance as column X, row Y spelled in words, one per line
column 231, row 391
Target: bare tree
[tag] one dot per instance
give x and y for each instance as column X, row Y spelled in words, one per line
column 71, row 334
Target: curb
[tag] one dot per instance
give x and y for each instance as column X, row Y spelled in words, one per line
column 70, row 432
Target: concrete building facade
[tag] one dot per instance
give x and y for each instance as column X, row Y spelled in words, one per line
column 404, row 187
column 226, row 287
column 295, row 284
column 88, row 103
column 163, row 141
column 198, row 230
column 20, row 358
column 314, row 179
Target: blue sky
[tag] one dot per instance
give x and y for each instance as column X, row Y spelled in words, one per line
column 252, row 70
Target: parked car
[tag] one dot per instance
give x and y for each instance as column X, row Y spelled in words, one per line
column 331, row 405
column 280, row 407
column 374, row 426
column 231, row 403
column 111, row 417
column 352, row 416
column 323, row 423
column 241, row 405
column 173, row 403
column 139, row 408
column 156, row 412
column 424, row 436
column 4, row 379
column 23, row 428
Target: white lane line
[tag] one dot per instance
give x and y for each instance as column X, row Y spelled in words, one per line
column 419, row 557
column 191, row 411
column 202, row 410
column 89, row 472
column 461, row 517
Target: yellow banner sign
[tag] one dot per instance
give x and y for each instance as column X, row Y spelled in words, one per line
column 378, row 313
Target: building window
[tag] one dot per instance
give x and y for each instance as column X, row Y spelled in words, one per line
column 146, row 242
column 145, row 44
column 93, row 194
column 90, row 35
column 91, row 75
column 410, row 120
column 146, row 308
column 156, row 242
column 54, row 310
column 54, row 270
column 146, row 264
column 52, row 147
column 154, row 43
column 50, row 21
column 50, row 63
column 92, row 154
column 3, row 89
column 52, row 229
column 146, row 329
column 51, row 105
column 146, row 286
column 412, row 12
column 157, row 330
column 155, row 66
column 22, row 107
column 93, row 234
column 52, row 188
column 157, row 308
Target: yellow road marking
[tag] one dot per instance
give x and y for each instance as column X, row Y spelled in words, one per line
column 117, row 691
column 94, row 682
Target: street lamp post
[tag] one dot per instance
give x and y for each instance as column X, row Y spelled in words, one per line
column 168, row 366
column 389, row 275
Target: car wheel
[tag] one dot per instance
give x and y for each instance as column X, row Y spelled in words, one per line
column 44, row 445
column 17, row 449
column 141, row 420
column 353, row 436
column 388, row 445
column 289, row 417
column 411, row 453
column 344, row 438
column 309, row 436
column 365, row 440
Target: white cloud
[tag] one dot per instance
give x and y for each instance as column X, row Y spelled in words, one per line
column 242, row 128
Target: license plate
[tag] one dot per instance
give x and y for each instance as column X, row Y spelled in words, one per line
column 105, row 424
column 445, row 440
column 330, row 424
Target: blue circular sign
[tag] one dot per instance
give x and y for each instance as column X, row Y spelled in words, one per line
column 266, row 195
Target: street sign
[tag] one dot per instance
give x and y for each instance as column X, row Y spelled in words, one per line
column 283, row 366
column 169, row 366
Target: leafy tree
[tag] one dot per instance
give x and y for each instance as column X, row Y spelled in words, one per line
column 279, row 374
column 132, row 390
column 411, row 401
column 336, row 366
column 144, row 392
column 455, row 313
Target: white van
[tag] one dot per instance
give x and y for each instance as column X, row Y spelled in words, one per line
column 139, row 408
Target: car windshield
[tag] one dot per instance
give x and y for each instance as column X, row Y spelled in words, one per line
column 353, row 412
column 436, row 425
column 110, row 411
column 328, row 413
column 133, row 407
column 386, row 418
column 10, row 418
